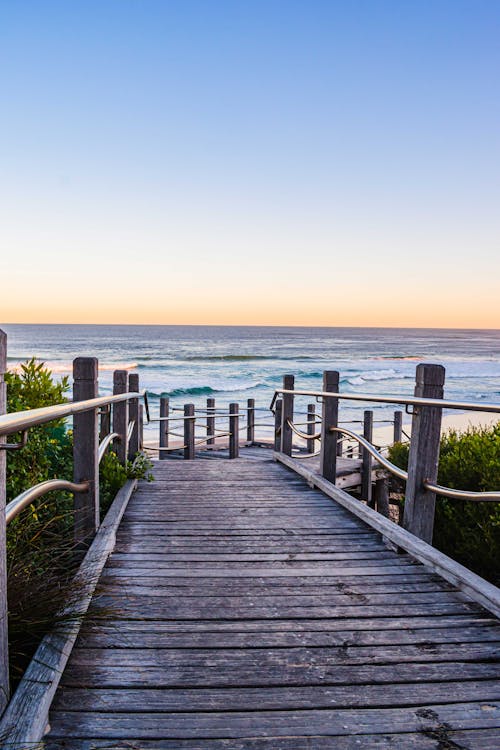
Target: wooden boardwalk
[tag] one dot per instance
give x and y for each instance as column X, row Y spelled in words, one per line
column 242, row 609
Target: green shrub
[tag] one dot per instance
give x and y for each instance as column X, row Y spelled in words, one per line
column 466, row 530
column 113, row 475
column 40, row 547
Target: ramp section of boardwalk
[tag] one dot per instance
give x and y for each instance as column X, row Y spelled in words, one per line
column 242, row 609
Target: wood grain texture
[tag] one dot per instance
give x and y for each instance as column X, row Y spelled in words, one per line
column 241, row 608
column 330, row 418
column 24, row 721
column 423, row 457
column 85, row 450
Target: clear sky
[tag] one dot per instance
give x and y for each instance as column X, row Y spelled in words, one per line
column 250, row 162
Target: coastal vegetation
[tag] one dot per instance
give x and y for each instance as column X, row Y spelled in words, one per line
column 41, row 559
column 467, row 531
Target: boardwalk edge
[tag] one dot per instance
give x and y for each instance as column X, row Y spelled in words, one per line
column 477, row 588
column 24, row 721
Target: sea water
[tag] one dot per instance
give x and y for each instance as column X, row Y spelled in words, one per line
column 234, row 363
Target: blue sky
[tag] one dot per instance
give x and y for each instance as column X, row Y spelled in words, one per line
column 190, row 148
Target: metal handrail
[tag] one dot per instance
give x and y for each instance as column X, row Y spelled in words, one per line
column 488, row 497
column 300, row 456
column 383, row 461
column 103, row 445
column 24, row 420
column 303, row 435
column 401, row 400
column 130, row 429
column 448, row 492
column 28, row 496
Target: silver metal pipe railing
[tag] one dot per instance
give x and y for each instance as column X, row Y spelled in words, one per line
column 448, row 492
column 27, row 497
column 104, row 444
column 24, row 420
column 401, row 400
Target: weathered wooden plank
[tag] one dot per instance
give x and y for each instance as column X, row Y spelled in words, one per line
column 254, row 675
column 281, row 723
column 133, row 605
column 289, row 698
column 282, row 625
column 438, row 739
column 122, row 634
column 282, row 658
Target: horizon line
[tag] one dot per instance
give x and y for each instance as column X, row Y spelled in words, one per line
column 254, row 325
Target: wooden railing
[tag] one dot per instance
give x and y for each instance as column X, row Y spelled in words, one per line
column 98, row 422
column 421, row 477
column 185, row 420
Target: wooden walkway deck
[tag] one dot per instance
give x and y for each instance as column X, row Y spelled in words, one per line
column 242, row 609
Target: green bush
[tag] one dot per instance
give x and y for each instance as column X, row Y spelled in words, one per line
column 466, row 530
column 40, row 547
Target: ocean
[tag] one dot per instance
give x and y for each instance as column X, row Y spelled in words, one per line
column 234, row 363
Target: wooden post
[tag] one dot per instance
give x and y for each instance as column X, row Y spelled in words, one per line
column 398, row 426
column 164, row 409
column 210, row 421
column 277, row 424
column 250, row 420
column 189, row 432
column 311, row 426
column 381, row 496
column 234, row 437
column 141, row 427
column 105, row 427
column 424, row 453
column 366, row 469
column 133, row 412
column 330, row 415
column 4, row 632
column 287, row 415
column 340, row 445
column 86, row 450
column 120, row 415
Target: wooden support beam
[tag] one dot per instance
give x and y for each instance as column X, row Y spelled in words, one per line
column 366, row 470
column 277, row 423
column 234, row 437
column 381, row 496
column 86, row 450
column 4, row 633
column 311, row 426
column 141, row 427
column 330, row 416
column 398, row 426
column 287, row 415
column 133, row 413
column 120, row 415
column 424, row 453
column 210, row 421
column 105, row 423
column 250, row 420
column 189, row 448
column 164, row 410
